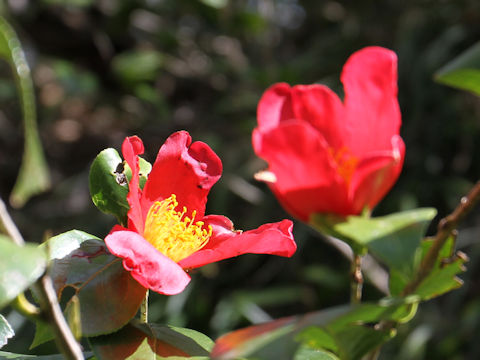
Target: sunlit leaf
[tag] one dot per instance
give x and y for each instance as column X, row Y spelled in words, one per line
column 443, row 277
column 463, row 72
column 335, row 330
column 9, row 355
column 308, row 353
column 393, row 239
column 33, row 177
column 109, row 297
column 150, row 341
column 108, row 182
column 20, row 266
column 6, row 331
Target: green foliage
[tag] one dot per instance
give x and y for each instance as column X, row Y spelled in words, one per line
column 308, row 353
column 108, row 296
column 150, row 341
column 108, row 183
column 33, row 177
column 346, row 331
column 20, row 266
column 6, row 331
column 394, row 239
column 9, row 355
column 443, row 277
column 463, row 72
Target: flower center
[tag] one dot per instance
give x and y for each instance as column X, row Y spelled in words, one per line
column 173, row 234
column 346, row 162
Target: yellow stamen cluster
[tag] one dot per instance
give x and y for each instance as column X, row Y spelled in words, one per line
column 171, row 232
column 346, row 163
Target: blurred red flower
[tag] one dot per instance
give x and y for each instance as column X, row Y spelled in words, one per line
column 168, row 230
column 325, row 156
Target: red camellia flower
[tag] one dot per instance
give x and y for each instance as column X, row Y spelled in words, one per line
column 168, row 230
column 326, row 156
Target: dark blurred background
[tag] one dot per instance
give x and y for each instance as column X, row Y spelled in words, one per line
column 107, row 69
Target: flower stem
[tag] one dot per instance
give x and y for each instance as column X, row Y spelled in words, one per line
column 356, row 282
column 144, row 309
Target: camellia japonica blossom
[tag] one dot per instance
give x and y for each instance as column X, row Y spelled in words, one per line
column 168, row 230
column 325, row 156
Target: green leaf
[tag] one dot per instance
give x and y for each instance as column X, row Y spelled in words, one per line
column 308, row 353
column 20, row 266
column 109, row 297
column 144, row 169
column 150, row 341
column 356, row 341
column 9, row 355
column 108, row 184
column 393, row 239
column 463, row 72
column 317, row 338
column 43, row 333
column 443, row 277
column 33, row 177
column 6, row 331
column 332, row 330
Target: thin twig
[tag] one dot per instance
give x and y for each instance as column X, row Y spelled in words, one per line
column 64, row 338
column 356, row 282
column 445, row 229
column 370, row 267
column 9, row 225
column 47, row 297
column 144, row 309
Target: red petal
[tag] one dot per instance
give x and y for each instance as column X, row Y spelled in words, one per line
column 275, row 106
column 184, row 169
column 372, row 112
column 147, row 265
column 375, row 175
column 274, row 239
column 132, row 147
column 307, row 177
column 322, row 108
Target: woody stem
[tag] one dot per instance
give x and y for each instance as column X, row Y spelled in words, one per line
column 356, row 282
column 144, row 309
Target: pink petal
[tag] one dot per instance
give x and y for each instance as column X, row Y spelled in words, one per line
column 274, row 239
column 307, row 177
column 184, row 169
column 372, row 111
column 375, row 175
column 321, row 107
column 274, row 107
column 132, row 147
column 148, row 266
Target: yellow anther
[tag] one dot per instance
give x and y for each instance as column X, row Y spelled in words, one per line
column 346, row 162
column 173, row 234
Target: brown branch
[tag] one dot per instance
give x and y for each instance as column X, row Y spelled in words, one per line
column 446, row 228
column 64, row 338
column 47, row 297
